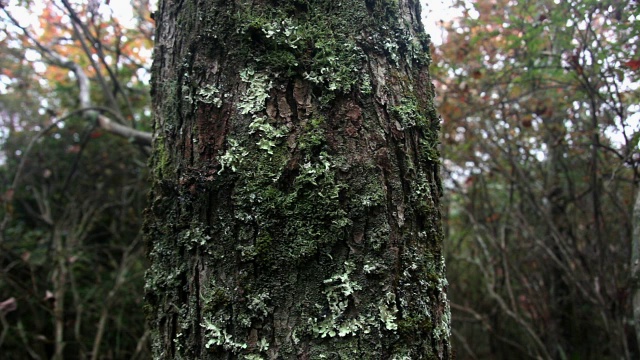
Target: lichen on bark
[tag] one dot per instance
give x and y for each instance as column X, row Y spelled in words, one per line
column 295, row 202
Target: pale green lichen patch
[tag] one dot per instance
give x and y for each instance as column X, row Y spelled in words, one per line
column 216, row 335
column 253, row 102
column 284, row 31
column 233, row 157
column 158, row 278
column 306, row 211
column 408, row 114
column 337, row 65
column 392, row 49
column 443, row 328
column 422, row 197
column 261, row 124
column 262, row 345
column 270, row 135
column 372, row 194
column 373, row 268
column 209, row 94
column 308, row 214
column 388, row 311
column 259, row 307
column 306, row 44
column 196, row 235
column 341, row 293
column 254, row 99
column 213, row 296
column 418, row 48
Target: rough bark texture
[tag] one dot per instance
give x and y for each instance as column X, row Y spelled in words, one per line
column 635, row 267
column 295, row 205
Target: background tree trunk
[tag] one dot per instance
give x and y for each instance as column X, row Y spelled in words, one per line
column 295, row 204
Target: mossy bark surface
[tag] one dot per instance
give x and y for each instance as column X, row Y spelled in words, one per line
column 295, row 203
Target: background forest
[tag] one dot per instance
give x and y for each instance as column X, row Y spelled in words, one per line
column 540, row 130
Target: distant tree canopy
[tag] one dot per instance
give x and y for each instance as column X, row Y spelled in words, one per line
column 71, row 261
column 540, row 151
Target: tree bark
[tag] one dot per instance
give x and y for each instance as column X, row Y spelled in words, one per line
column 295, row 208
column 635, row 267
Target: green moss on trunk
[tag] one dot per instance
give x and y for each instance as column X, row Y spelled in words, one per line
column 295, row 207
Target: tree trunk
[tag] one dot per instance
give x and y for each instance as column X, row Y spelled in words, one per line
column 635, row 267
column 295, row 202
